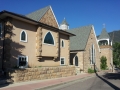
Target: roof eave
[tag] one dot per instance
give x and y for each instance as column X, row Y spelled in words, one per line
column 68, row 33
column 26, row 19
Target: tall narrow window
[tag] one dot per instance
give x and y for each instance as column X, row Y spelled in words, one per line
column 92, row 54
column 62, row 43
column 0, row 29
column 23, row 36
column 49, row 39
column 62, row 61
column 76, row 61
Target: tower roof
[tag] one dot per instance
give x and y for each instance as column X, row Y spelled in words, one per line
column 104, row 34
column 64, row 22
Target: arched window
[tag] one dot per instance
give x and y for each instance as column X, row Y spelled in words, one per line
column 76, row 61
column 23, row 36
column 92, row 54
column 62, row 43
column 49, row 39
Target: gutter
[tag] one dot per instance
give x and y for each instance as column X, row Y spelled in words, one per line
column 37, row 22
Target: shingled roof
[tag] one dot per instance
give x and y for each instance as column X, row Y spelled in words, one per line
column 79, row 41
column 37, row 15
column 104, row 34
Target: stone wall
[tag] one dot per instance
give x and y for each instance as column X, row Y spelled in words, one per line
column 91, row 40
column 29, row 74
column 49, row 19
column 107, row 52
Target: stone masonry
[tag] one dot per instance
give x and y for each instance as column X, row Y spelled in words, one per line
column 29, row 74
column 49, row 19
column 91, row 40
column 106, row 51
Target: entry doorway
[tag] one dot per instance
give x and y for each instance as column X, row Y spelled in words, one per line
column 76, row 60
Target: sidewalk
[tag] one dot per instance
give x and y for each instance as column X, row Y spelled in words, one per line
column 32, row 85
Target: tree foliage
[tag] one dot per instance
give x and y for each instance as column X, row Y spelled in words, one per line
column 103, row 64
column 116, row 54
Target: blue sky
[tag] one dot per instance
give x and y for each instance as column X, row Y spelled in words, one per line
column 77, row 12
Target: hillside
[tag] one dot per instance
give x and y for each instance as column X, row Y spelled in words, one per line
column 115, row 36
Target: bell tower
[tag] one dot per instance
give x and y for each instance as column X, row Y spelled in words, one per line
column 64, row 25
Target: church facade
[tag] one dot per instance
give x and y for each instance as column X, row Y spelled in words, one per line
column 37, row 40
column 33, row 40
column 86, row 49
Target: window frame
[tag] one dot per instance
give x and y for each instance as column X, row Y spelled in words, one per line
column 25, row 36
column 75, row 61
column 63, row 43
column 52, row 37
column 92, row 55
column 60, row 60
column 26, row 61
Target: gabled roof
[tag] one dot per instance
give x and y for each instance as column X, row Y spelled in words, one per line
column 64, row 22
column 104, row 34
column 4, row 14
column 79, row 41
column 37, row 15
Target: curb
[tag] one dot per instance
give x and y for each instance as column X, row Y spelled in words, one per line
column 72, row 81
column 67, row 82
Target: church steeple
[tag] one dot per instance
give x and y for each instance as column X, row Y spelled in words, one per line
column 64, row 25
column 104, row 38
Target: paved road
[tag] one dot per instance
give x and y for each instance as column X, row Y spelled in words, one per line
column 110, row 81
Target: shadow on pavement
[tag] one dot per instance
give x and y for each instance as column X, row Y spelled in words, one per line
column 112, row 76
column 107, row 75
column 109, row 83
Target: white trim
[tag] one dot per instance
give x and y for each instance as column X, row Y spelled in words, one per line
column 92, row 55
column 95, row 55
column 54, row 16
column 52, row 37
column 103, row 39
column 63, row 43
column 108, row 40
column 95, row 37
column 60, row 60
column 25, row 36
column 26, row 60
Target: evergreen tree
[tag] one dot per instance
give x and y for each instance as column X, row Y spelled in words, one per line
column 103, row 64
column 116, row 54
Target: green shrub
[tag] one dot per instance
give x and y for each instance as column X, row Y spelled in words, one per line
column 103, row 64
column 90, row 70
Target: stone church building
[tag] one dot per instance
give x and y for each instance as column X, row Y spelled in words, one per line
column 36, row 39
column 86, row 49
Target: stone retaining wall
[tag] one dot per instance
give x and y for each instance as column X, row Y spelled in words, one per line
column 29, row 74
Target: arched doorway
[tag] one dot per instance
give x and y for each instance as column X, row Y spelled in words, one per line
column 76, row 61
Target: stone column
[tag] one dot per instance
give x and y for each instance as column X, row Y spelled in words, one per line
column 57, row 47
column 39, row 42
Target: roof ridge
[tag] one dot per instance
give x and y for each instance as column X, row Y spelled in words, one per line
column 39, row 9
column 81, row 27
column 38, row 14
